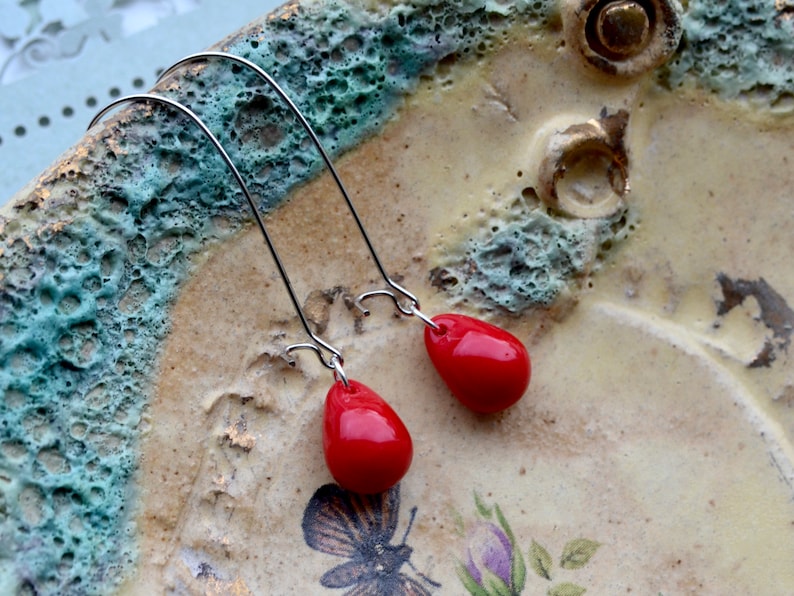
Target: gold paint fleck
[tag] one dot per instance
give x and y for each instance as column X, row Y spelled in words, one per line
column 221, row 484
column 285, row 13
column 55, row 228
column 237, row 435
column 68, row 168
column 785, row 6
column 217, row 587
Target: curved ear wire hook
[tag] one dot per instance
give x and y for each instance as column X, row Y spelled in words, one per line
column 411, row 310
column 335, row 361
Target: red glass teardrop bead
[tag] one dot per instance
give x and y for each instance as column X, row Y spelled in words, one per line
column 367, row 447
column 485, row 367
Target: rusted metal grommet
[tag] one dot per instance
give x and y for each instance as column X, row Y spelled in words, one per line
column 584, row 171
column 623, row 37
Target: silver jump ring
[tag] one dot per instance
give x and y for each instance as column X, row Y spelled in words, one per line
column 424, row 318
column 339, row 372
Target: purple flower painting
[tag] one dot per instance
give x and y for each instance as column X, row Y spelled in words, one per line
column 493, row 564
column 489, row 551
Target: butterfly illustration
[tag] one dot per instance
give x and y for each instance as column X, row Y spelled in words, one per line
column 360, row 528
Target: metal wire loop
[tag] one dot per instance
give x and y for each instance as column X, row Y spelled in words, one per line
column 424, row 318
column 406, row 310
column 335, row 359
column 339, row 372
column 413, row 309
column 335, row 362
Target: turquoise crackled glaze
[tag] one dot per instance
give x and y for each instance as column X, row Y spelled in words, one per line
column 740, row 48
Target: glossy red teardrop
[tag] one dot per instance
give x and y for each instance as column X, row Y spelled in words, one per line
column 367, row 447
column 485, row 367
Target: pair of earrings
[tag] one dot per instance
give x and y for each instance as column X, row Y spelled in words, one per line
column 367, row 447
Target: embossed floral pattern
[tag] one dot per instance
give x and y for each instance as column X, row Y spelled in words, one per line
column 36, row 33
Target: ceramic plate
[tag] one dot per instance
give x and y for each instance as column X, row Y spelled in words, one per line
column 608, row 181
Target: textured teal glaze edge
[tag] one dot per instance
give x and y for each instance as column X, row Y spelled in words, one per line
column 740, row 49
column 87, row 283
column 526, row 256
column 530, row 262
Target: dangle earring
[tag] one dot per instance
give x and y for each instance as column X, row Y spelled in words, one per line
column 367, row 447
column 485, row 367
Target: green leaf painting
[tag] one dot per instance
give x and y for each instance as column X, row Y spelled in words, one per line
column 472, row 586
column 566, row 589
column 577, row 553
column 518, row 571
column 540, row 560
column 484, row 511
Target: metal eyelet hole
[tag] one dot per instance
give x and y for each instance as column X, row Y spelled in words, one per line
column 587, row 185
column 585, row 169
column 620, row 29
column 623, row 37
